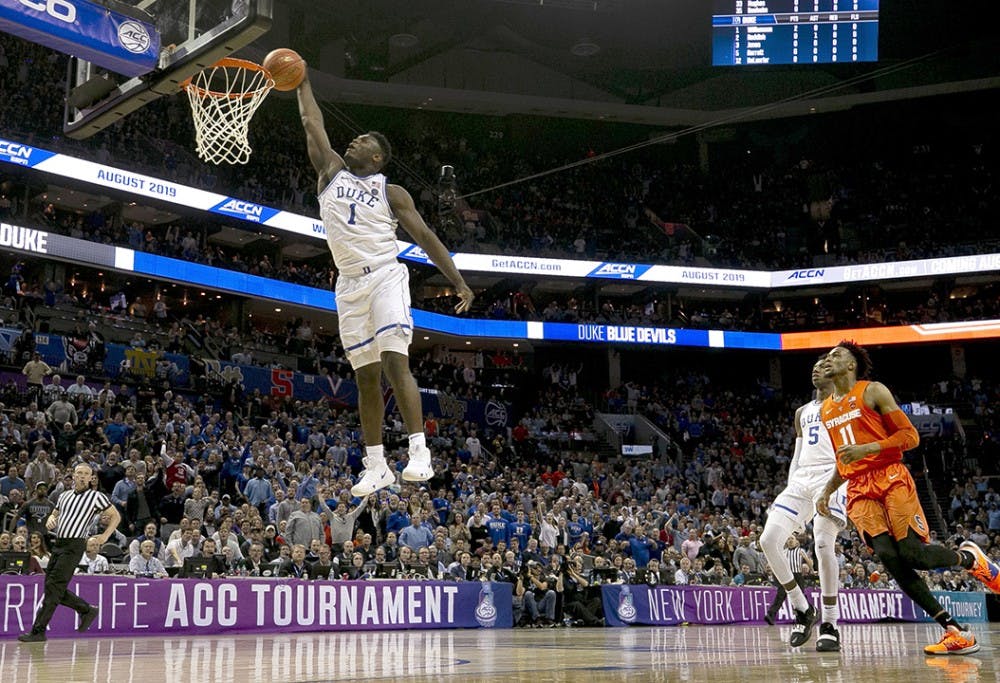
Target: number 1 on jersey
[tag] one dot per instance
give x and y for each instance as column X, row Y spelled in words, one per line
column 847, row 435
column 353, row 216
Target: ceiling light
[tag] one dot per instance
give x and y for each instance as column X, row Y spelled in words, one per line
column 403, row 40
column 585, row 48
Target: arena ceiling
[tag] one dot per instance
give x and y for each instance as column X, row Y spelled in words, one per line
column 645, row 61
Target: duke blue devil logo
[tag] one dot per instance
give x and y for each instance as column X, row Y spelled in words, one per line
column 626, row 605
column 486, row 611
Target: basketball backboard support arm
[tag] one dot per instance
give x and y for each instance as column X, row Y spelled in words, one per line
column 95, row 99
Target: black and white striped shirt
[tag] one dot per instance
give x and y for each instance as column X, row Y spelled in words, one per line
column 795, row 557
column 77, row 510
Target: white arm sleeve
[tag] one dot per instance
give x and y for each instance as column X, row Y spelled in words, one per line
column 795, row 458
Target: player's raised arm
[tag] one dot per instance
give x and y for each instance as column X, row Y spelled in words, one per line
column 404, row 209
column 321, row 154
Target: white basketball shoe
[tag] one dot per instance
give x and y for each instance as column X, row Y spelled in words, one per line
column 375, row 477
column 419, row 467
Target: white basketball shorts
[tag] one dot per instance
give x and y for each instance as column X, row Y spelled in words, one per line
column 374, row 314
column 797, row 501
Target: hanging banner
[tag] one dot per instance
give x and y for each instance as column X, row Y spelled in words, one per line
column 300, row 386
column 87, row 30
column 148, row 607
column 625, row 605
column 52, row 348
column 121, row 361
column 281, row 382
column 493, row 414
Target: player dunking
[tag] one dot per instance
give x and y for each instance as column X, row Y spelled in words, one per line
column 360, row 211
column 870, row 433
column 793, row 508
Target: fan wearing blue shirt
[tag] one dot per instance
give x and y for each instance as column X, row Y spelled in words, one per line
column 417, row 535
column 498, row 529
column 574, row 529
column 442, row 506
column 398, row 520
column 641, row 547
column 117, row 432
column 521, row 530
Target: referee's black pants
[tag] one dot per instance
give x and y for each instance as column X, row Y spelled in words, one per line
column 63, row 561
column 779, row 598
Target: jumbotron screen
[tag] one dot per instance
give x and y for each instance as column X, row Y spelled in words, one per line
column 760, row 32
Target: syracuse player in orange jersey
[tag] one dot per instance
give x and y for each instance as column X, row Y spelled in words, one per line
column 870, row 433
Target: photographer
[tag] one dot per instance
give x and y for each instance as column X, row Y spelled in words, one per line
column 582, row 609
column 540, row 596
column 509, row 573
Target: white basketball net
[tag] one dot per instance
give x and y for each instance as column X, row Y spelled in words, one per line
column 223, row 99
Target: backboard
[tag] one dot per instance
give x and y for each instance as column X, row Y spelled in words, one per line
column 194, row 34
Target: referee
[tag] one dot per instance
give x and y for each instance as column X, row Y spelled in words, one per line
column 72, row 516
column 795, row 557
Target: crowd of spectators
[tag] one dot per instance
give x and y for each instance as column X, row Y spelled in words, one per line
column 745, row 217
column 263, row 489
column 759, row 211
column 260, row 485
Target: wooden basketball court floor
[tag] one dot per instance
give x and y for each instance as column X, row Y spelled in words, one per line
column 886, row 653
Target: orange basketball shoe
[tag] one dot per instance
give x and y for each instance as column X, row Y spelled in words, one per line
column 954, row 642
column 984, row 568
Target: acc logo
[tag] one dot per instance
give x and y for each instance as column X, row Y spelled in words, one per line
column 626, row 605
column 619, row 271
column 496, row 414
column 15, row 153
column 60, row 10
column 486, row 611
column 415, row 253
column 919, row 521
column 133, row 37
column 808, row 274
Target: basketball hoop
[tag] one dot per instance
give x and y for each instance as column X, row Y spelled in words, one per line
column 223, row 99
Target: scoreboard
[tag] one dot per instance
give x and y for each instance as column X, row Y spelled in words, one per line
column 758, row 32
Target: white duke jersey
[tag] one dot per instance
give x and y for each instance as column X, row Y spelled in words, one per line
column 817, row 459
column 360, row 225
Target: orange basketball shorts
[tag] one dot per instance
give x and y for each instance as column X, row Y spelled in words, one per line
column 885, row 501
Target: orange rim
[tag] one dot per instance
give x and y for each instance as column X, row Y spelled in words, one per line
column 233, row 63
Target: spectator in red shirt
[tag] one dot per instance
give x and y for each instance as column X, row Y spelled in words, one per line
column 174, row 468
column 519, row 433
column 430, row 426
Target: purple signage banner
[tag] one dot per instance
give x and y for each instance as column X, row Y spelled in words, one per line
column 150, row 607
column 672, row 605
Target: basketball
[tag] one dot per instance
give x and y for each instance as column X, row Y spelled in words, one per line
column 287, row 68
